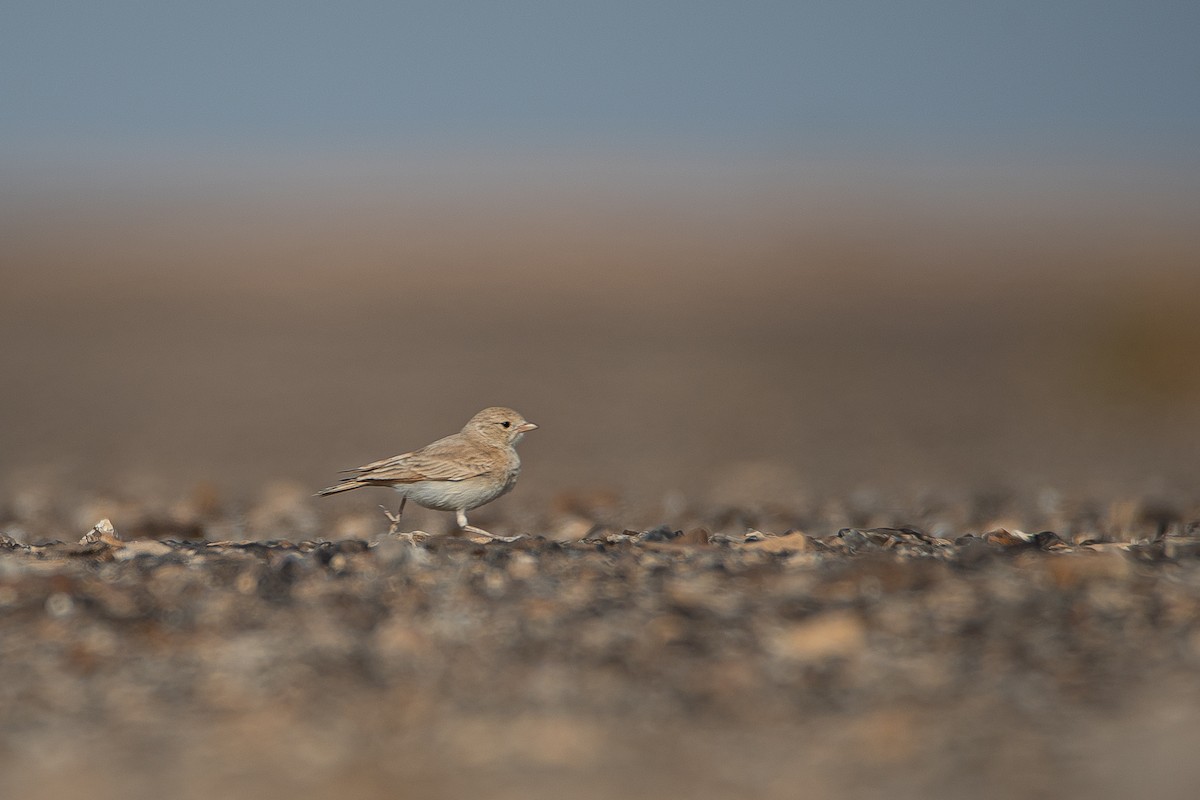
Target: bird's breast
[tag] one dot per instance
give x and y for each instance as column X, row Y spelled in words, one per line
column 454, row 495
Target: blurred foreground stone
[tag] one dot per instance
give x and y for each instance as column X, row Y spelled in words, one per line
column 621, row 663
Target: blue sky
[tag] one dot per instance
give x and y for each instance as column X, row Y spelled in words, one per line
column 792, row 78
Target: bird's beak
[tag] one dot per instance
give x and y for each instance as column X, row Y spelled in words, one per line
column 525, row 427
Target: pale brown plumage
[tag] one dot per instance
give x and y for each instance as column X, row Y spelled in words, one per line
column 456, row 473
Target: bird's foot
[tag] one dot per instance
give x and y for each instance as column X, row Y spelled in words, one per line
column 410, row 537
column 480, row 533
column 393, row 518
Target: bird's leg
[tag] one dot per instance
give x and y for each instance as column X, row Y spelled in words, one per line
column 460, row 516
column 395, row 518
column 465, row 527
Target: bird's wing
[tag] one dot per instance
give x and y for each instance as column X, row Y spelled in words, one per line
column 443, row 446
column 383, row 462
column 448, row 459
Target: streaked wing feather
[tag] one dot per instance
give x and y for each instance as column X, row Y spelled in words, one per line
column 448, row 459
column 381, row 463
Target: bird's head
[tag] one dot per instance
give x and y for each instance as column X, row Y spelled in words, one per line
column 499, row 426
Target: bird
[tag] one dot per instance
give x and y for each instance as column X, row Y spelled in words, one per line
column 458, row 473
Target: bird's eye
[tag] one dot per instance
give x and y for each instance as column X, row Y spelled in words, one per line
column 505, row 424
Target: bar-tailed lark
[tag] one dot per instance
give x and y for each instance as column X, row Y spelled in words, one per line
column 458, row 473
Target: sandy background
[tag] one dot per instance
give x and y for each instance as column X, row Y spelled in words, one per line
column 671, row 328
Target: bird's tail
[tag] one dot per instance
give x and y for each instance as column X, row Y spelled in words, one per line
column 346, row 485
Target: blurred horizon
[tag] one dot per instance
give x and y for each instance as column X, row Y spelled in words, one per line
column 798, row 336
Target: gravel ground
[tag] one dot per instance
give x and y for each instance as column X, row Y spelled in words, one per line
column 728, row 656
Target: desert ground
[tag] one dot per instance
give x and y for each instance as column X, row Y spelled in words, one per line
column 842, row 489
